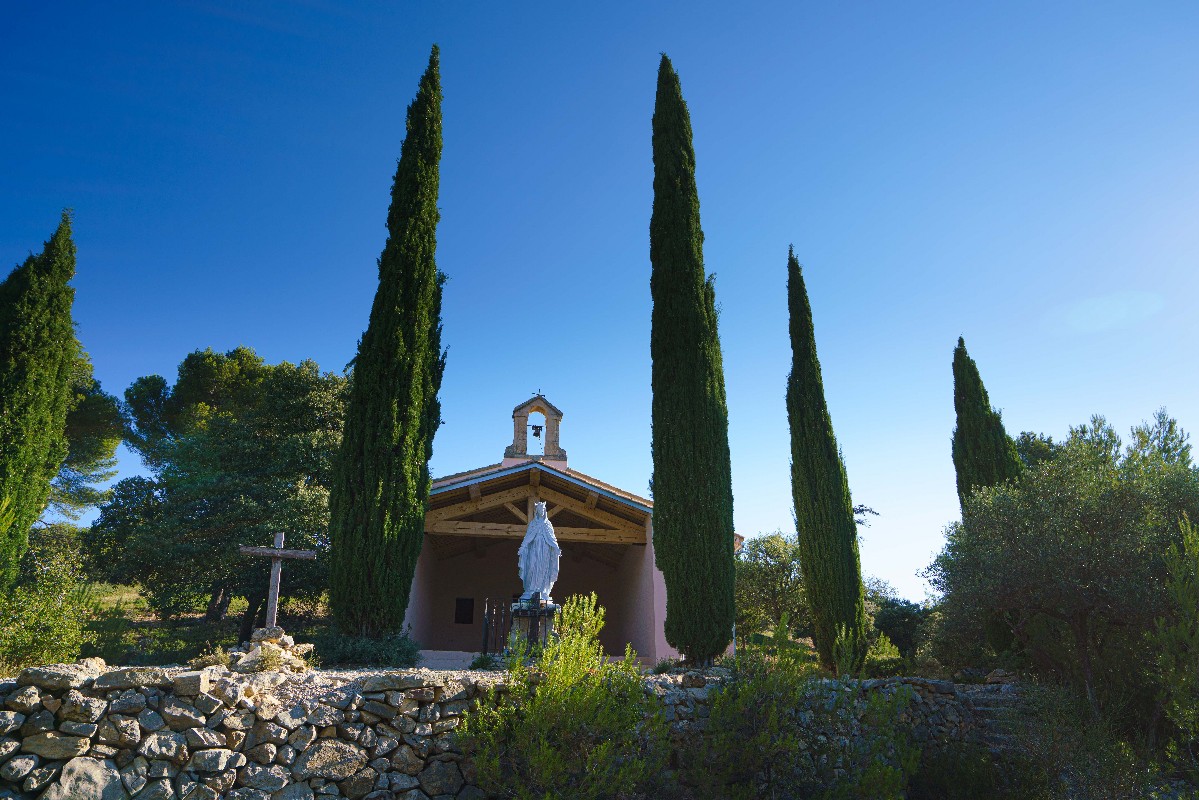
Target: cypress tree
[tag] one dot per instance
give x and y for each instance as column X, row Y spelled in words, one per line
column 37, row 355
column 983, row 454
column 692, row 483
column 828, row 536
column 381, row 478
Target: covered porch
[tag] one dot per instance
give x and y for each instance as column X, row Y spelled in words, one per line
column 474, row 526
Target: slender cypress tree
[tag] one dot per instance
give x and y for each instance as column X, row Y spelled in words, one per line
column 828, row 536
column 693, row 494
column 381, row 479
column 37, row 353
column 983, row 454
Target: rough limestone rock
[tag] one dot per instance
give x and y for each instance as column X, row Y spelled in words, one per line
column 329, row 758
column 295, row 791
column 54, row 745
column 25, row 700
column 77, row 707
column 18, row 767
column 10, row 721
column 441, row 777
column 216, row 760
column 59, row 676
column 267, row 779
column 87, row 779
column 158, row 789
column 128, row 702
column 134, row 677
column 180, row 715
column 391, row 681
column 164, row 746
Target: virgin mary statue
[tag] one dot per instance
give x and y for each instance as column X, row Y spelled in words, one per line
column 538, row 556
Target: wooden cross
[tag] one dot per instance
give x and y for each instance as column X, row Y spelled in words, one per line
column 276, row 554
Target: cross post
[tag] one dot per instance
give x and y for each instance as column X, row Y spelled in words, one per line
column 276, row 555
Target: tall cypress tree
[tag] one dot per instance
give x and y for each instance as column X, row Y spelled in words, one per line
column 693, row 494
column 37, row 355
column 828, row 536
column 983, row 454
column 381, row 479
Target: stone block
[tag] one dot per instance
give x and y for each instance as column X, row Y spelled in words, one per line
column 87, row 778
column 56, row 746
column 134, row 677
column 190, row 684
column 329, row 758
column 25, row 700
column 60, row 676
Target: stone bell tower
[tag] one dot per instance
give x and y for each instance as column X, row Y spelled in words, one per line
column 518, row 451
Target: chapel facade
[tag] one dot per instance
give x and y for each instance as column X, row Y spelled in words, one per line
column 477, row 519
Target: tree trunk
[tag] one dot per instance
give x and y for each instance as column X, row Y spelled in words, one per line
column 218, row 603
column 1083, row 643
column 257, row 603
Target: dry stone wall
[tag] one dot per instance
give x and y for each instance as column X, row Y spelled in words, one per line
column 82, row 731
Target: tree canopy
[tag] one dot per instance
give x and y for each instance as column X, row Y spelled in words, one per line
column 239, row 449
column 1070, row 553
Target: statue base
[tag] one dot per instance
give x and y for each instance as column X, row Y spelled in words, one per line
column 532, row 623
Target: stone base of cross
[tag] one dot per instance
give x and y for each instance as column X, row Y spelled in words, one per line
column 276, row 555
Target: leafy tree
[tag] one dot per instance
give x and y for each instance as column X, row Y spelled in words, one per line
column 382, row 478
column 37, row 353
column 983, row 455
column 1070, row 555
column 824, row 513
column 42, row 617
column 240, row 449
column 692, row 479
column 900, row 621
column 769, row 586
column 1175, row 638
column 1033, row 448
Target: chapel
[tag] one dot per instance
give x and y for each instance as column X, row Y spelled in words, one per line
column 477, row 519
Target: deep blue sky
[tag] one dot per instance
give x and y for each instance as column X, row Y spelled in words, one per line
column 1023, row 174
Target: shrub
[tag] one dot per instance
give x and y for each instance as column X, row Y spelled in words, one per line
column 42, row 618
column 485, row 661
column 571, row 723
column 1065, row 751
column 780, row 729
column 212, row 657
column 389, row 651
column 883, row 659
column 958, row 771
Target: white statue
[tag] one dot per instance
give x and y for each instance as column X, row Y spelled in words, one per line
column 538, row 556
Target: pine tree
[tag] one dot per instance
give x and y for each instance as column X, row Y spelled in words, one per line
column 37, row 356
column 983, row 455
column 828, row 536
column 381, row 479
column 692, row 483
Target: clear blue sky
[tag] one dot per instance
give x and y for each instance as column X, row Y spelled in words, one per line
column 1023, row 174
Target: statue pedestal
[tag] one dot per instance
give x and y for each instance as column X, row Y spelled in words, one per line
column 532, row 623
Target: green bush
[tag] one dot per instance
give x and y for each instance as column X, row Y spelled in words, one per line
column 779, row 729
column 42, row 619
column 1064, row 751
column 570, row 723
column 883, row 659
column 485, row 661
column 388, row 651
column 958, row 771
